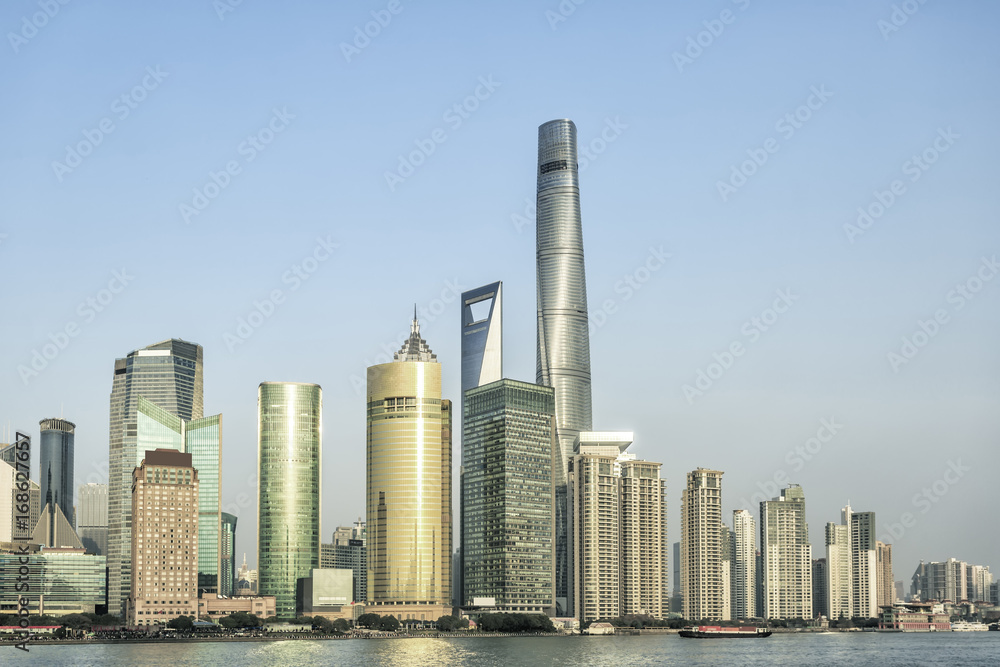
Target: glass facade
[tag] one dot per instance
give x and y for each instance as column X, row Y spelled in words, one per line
column 156, row 428
column 508, row 518
column 169, row 374
column 563, row 336
column 67, row 580
column 288, row 487
column 409, row 482
column 203, row 441
column 227, row 558
column 56, row 472
column 787, row 555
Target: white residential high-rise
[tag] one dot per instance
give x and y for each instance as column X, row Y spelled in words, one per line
column 701, row 546
column 838, row 572
column 864, row 565
column 744, row 567
column 784, row 537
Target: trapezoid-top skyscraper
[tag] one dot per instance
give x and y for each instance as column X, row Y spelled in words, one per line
column 563, row 350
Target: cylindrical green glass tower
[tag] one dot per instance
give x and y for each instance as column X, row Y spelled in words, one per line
column 289, row 438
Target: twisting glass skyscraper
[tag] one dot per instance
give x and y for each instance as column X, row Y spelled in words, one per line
column 168, row 374
column 563, row 352
column 289, row 442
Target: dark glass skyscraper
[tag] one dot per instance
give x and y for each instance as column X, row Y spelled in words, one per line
column 227, row 558
column 563, row 351
column 168, row 374
column 56, row 445
column 508, row 496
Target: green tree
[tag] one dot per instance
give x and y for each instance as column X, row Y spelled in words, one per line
column 322, row 624
column 341, row 625
column 368, row 620
column 76, row 621
column 447, row 623
column 388, row 624
column 183, row 623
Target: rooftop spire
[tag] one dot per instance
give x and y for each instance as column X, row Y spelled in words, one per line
column 415, row 348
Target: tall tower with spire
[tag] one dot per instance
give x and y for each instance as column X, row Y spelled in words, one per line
column 563, row 351
column 409, row 485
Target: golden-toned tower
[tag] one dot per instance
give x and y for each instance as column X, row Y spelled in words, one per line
column 409, row 486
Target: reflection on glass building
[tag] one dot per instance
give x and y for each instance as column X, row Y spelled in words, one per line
column 56, row 472
column 227, row 558
column 563, row 347
column 92, row 517
column 169, row 374
column 66, row 581
column 508, row 496
column 409, row 485
column 201, row 438
column 288, row 487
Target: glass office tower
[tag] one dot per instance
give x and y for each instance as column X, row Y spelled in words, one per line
column 409, row 485
column 289, row 439
column 508, row 496
column 563, row 346
column 56, row 478
column 227, row 558
column 157, row 428
column 170, row 375
column 92, row 518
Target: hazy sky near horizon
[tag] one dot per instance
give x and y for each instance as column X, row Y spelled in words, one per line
column 208, row 164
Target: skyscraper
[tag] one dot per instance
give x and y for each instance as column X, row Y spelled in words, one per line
column 595, row 530
column 886, row 584
column 864, row 565
column 56, row 456
column 563, row 337
column 743, row 578
column 482, row 363
column 838, row 572
column 164, row 540
column 157, row 428
column 784, row 543
column 701, row 546
column 482, row 331
column 508, row 538
column 169, row 374
column 289, row 439
column 349, row 551
column 92, row 517
column 821, row 581
column 644, row 559
column 409, row 485
column 227, row 555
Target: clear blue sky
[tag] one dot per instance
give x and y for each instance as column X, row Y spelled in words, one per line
column 678, row 128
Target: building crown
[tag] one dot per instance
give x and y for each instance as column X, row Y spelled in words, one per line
column 415, row 348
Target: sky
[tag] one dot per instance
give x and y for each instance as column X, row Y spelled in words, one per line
column 789, row 215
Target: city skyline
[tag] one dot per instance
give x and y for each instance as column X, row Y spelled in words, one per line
column 676, row 274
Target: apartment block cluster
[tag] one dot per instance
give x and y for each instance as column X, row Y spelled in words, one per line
column 554, row 516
